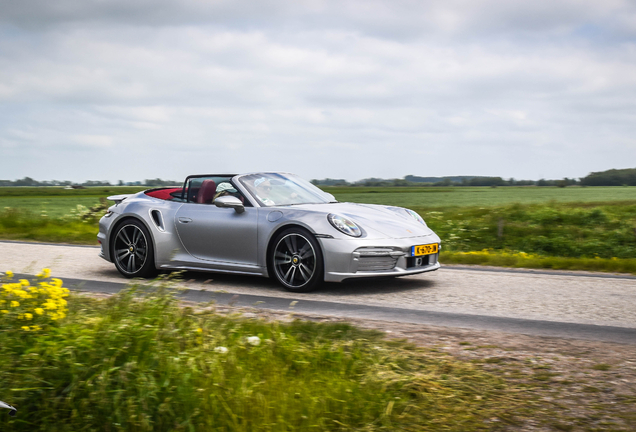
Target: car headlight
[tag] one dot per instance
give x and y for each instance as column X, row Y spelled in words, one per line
column 344, row 225
column 416, row 216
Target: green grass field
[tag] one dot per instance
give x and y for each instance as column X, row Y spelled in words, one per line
column 40, row 192
column 52, row 206
column 56, row 201
column 503, row 225
column 59, row 201
column 443, row 198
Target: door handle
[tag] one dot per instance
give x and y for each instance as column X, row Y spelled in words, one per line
column 185, row 220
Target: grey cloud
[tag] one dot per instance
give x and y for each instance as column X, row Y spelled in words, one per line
column 325, row 89
column 394, row 19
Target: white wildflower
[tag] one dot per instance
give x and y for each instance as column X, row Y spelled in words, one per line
column 221, row 350
column 254, row 340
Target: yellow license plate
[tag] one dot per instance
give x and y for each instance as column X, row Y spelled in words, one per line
column 424, row 249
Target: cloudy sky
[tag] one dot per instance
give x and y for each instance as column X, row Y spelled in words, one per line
column 136, row 89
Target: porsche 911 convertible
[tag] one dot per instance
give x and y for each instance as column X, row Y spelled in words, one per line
column 266, row 224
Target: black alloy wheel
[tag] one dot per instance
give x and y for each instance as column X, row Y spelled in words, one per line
column 133, row 252
column 296, row 260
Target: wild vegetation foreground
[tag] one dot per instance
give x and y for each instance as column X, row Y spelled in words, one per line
column 137, row 362
column 140, row 361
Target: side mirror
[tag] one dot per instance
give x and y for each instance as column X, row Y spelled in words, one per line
column 331, row 197
column 230, row 202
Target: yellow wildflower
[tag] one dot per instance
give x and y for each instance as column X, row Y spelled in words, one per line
column 50, row 304
column 44, row 274
column 9, row 274
column 57, row 316
column 199, row 330
column 44, row 299
column 21, row 293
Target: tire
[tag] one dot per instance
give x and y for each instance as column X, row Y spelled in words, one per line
column 295, row 260
column 133, row 251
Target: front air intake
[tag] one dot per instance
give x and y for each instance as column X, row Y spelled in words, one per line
column 378, row 263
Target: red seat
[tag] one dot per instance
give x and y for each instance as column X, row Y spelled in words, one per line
column 206, row 192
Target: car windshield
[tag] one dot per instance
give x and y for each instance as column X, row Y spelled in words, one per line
column 283, row 189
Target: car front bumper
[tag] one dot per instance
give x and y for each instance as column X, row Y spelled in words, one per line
column 370, row 258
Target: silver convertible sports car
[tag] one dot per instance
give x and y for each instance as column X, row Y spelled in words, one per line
column 267, row 224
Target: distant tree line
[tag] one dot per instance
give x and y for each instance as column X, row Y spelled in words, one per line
column 613, row 177
column 446, row 181
column 158, row 182
column 28, row 181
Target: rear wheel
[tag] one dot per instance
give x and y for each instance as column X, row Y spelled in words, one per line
column 133, row 252
column 296, row 261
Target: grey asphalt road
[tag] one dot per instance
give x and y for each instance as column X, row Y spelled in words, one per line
column 573, row 304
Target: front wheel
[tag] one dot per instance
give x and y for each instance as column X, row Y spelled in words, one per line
column 296, row 261
column 133, row 252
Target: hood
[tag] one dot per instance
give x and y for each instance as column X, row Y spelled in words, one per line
column 376, row 220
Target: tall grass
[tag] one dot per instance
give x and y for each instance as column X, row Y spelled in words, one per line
column 524, row 260
column 21, row 224
column 563, row 230
column 138, row 362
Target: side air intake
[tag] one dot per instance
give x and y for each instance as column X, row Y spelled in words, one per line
column 157, row 219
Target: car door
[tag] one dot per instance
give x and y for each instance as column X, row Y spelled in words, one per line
column 218, row 234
